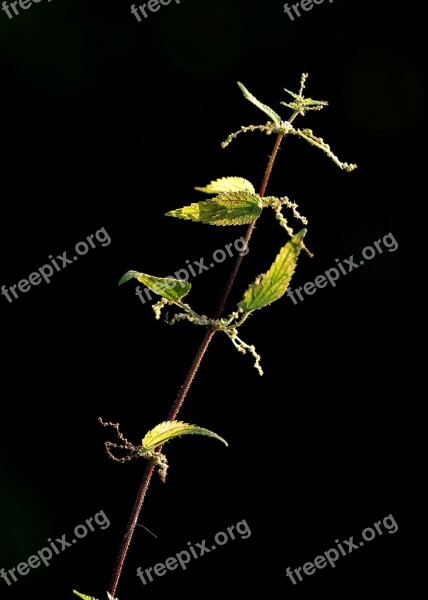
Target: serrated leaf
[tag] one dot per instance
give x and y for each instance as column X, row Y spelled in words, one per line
column 228, row 184
column 312, row 102
column 272, row 285
column 168, row 287
column 191, row 212
column 170, row 429
column 306, row 103
column 266, row 109
column 232, row 208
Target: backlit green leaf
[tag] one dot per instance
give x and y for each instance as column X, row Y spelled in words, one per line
column 272, row 285
column 295, row 96
column 167, row 287
column 228, row 184
column 232, row 208
column 170, row 429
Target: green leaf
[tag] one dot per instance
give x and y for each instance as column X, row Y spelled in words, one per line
column 128, row 275
column 170, row 429
column 83, row 596
column 312, row 102
column 295, row 96
column 272, row 285
column 266, row 109
column 228, row 184
column 232, row 208
column 302, row 104
column 167, row 287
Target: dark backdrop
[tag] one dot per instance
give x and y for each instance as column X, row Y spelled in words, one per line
column 107, row 122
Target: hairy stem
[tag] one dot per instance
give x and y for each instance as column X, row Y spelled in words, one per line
column 191, row 374
column 132, row 524
column 188, row 381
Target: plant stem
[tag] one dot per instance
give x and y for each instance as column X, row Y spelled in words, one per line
column 250, row 229
column 270, row 165
column 131, row 528
column 188, row 381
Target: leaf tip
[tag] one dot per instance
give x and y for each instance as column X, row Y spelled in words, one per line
column 299, row 236
column 128, row 275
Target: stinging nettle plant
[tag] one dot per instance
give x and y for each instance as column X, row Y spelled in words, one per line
column 234, row 202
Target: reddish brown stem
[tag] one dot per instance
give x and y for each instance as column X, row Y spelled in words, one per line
column 132, row 524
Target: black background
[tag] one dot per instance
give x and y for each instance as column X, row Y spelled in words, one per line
column 107, row 122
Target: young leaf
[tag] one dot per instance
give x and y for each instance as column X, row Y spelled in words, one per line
column 228, row 184
column 266, row 109
column 232, row 208
column 167, row 287
column 272, row 285
column 295, row 96
column 170, row 429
